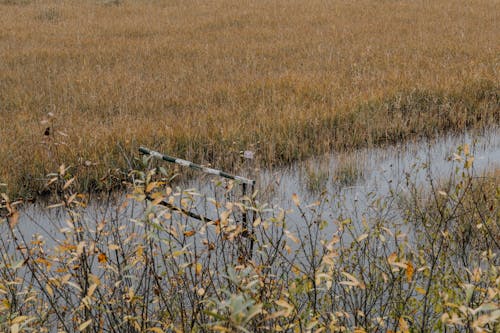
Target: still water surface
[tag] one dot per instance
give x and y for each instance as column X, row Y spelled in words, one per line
column 349, row 181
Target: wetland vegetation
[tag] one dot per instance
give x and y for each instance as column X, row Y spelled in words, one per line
column 204, row 80
column 83, row 84
column 419, row 259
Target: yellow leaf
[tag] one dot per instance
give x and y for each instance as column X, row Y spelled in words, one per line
column 19, row 319
column 94, row 279
column 198, row 268
column 352, row 280
column 56, row 205
column 14, row 328
column 80, row 247
column 287, row 306
column 468, row 162
column 409, row 271
column 62, row 170
column 84, row 325
column 44, row 262
column 91, row 289
column 392, row 261
column 403, row 326
column 49, row 290
column 363, row 236
column 420, row 290
column 155, row 330
column 295, row 199
column 139, row 251
column 102, row 258
column 177, row 253
column 68, row 183
column 151, row 186
column 72, row 198
column 392, row 258
column 66, row 278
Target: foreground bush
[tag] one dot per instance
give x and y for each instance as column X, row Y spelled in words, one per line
column 419, row 260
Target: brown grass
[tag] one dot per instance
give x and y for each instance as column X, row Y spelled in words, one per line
column 206, row 79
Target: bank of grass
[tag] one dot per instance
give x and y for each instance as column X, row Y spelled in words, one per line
column 204, row 80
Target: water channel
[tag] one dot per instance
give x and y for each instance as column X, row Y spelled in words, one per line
column 349, row 181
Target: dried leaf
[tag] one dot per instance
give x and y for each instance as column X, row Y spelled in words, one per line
column 151, row 186
column 19, row 319
column 49, row 290
column 392, row 257
column 354, row 282
column 84, row 325
column 198, row 268
column 155, row 330
column 14, row 328
column 288, row 308
column 62, row 170
column 91, row 290
column 468, row 162
column 113, row 247
column 102, row 258
column 52, row 181
column 360, row 238
column 68, row 183
column 420, row 290
column 403, row 326
column 409, row 271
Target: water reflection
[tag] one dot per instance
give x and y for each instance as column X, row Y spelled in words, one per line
column 348, row 183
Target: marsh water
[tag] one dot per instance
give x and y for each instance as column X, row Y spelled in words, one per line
column 347, row 183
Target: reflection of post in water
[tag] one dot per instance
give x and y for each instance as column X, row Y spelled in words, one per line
column 246, row 241
column 247, row 218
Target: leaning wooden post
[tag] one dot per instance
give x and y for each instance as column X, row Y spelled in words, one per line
column 244, row 182
column 195, row 166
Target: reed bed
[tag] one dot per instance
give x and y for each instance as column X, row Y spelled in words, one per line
column 204, row 80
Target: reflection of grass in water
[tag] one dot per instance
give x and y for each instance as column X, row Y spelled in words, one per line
column 316, row 176
column 348, row 171
column 316, row 180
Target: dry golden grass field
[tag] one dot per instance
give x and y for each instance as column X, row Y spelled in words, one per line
column 203, row 80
